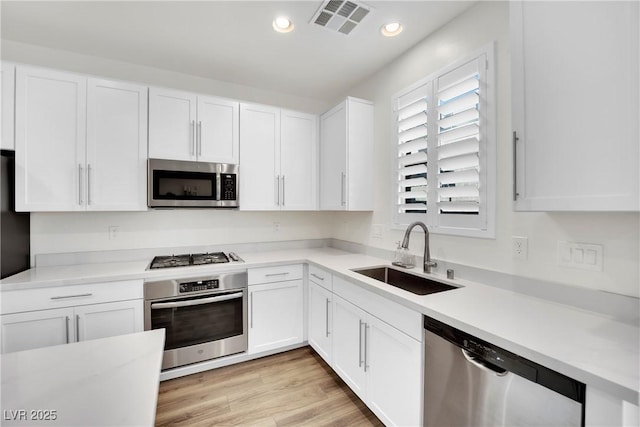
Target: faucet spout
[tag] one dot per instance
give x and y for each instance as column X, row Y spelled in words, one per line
column 427, row 263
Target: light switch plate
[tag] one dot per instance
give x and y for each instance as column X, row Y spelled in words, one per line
column 585, row 256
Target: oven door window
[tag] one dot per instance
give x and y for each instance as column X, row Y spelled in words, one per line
column 176, row 185
column 198, row 320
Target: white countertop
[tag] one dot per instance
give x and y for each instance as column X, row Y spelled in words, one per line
column 104, row 382
column 590, row 347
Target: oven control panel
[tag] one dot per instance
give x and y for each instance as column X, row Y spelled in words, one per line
column 200, row 285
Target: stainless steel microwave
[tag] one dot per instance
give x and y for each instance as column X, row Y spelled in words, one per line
column 181, row 184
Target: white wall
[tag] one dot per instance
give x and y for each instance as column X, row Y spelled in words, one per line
column 484, row 23
column 617, row 232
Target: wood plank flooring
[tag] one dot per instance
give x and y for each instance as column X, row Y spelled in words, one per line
column 295, row 388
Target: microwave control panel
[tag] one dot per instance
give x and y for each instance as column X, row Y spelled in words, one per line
column 229, row 186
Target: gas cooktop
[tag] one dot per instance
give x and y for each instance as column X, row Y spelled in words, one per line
column 186, row 260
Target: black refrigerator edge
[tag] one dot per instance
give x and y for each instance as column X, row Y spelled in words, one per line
column 14, row 226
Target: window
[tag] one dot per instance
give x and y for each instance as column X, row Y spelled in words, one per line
column 444, row 149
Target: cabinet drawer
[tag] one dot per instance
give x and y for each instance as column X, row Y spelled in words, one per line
column 321, row 277
column 274, row 274
column 396, row 315
column 70, row 296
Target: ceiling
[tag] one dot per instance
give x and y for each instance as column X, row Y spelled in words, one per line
column 231, row 41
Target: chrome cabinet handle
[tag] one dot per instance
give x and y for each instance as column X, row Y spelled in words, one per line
column 515, row 174
column 366, row 361
column 89, row 184
column 190, row 303
column 80, row 201
column 282, row 190
column 317, row 277
column 251, row 310
column 277, row 190
column 360, row 344
column 277, row 274
column 327, row 317
column 78, row 326
column 71, row 296
column 67, row 327
column 199, row 138
column 193, row 137
column 343, row 190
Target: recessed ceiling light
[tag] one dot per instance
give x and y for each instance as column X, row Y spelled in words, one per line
column 391, row 29
column 282, row 24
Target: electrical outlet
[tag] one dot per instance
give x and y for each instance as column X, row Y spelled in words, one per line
column 113, row 232
column 276, row 227
column 520, row 248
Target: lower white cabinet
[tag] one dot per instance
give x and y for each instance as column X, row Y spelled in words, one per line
column 276, row 317
column 320, row 320
column 36, row 318
column 381, row 364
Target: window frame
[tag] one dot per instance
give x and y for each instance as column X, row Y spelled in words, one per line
column 483, row 224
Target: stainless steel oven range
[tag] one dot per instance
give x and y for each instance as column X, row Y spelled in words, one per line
column 204, row 317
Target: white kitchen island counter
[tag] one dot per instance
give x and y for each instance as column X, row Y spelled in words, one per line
column 104, row 382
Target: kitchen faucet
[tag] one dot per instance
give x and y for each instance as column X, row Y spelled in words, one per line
column 426, row 258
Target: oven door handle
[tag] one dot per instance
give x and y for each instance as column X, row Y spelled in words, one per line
column 189, row 303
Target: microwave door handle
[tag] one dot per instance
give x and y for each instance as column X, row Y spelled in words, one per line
column 218, row 186
column 190, row 303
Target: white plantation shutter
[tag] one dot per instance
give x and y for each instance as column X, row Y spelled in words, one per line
column 411, row 151
column 458, row 141
column 445, row 150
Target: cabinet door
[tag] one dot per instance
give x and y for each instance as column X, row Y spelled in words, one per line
column 394, row 382
column 172, row 124
column 107, row 320
column 333, row 158
column 575, row 103
column 116, row 146
column 259, row 143
column 359, row 188
column 298, row 160
column 34, row 329
column 320, row 320
column 349, row 344
column 218, row 130
column 8, row 80
column 275, row 315
column 50, row 137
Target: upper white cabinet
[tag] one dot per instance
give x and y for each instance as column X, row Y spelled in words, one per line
column 278, row 158
column 116, row 146
column 575, row 105
column 185, row 126
column 80, row 142
column 346, row 156
column 7, row 88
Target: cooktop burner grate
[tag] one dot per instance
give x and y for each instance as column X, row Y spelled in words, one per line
column 188, row 259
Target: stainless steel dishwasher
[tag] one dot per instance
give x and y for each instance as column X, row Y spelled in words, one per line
column 469, row 382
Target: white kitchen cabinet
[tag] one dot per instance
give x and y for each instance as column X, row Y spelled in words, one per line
column 35, row 329
column 346, row 156
column 278, row 151
column 380, row 363
column 575, row 107
column 116, row 146
column 34, row 318
column 7, row 81
column 80, row 142
column 320, row 322
column 186, row 126
column 275, row 307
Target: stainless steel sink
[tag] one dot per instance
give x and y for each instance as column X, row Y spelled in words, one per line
column 409, row 282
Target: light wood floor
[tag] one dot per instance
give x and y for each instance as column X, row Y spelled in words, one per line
column 295, row 388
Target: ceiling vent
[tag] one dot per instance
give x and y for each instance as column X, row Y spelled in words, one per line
column 340, row 15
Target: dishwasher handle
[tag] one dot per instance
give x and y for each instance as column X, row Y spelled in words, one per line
column 482, row 364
